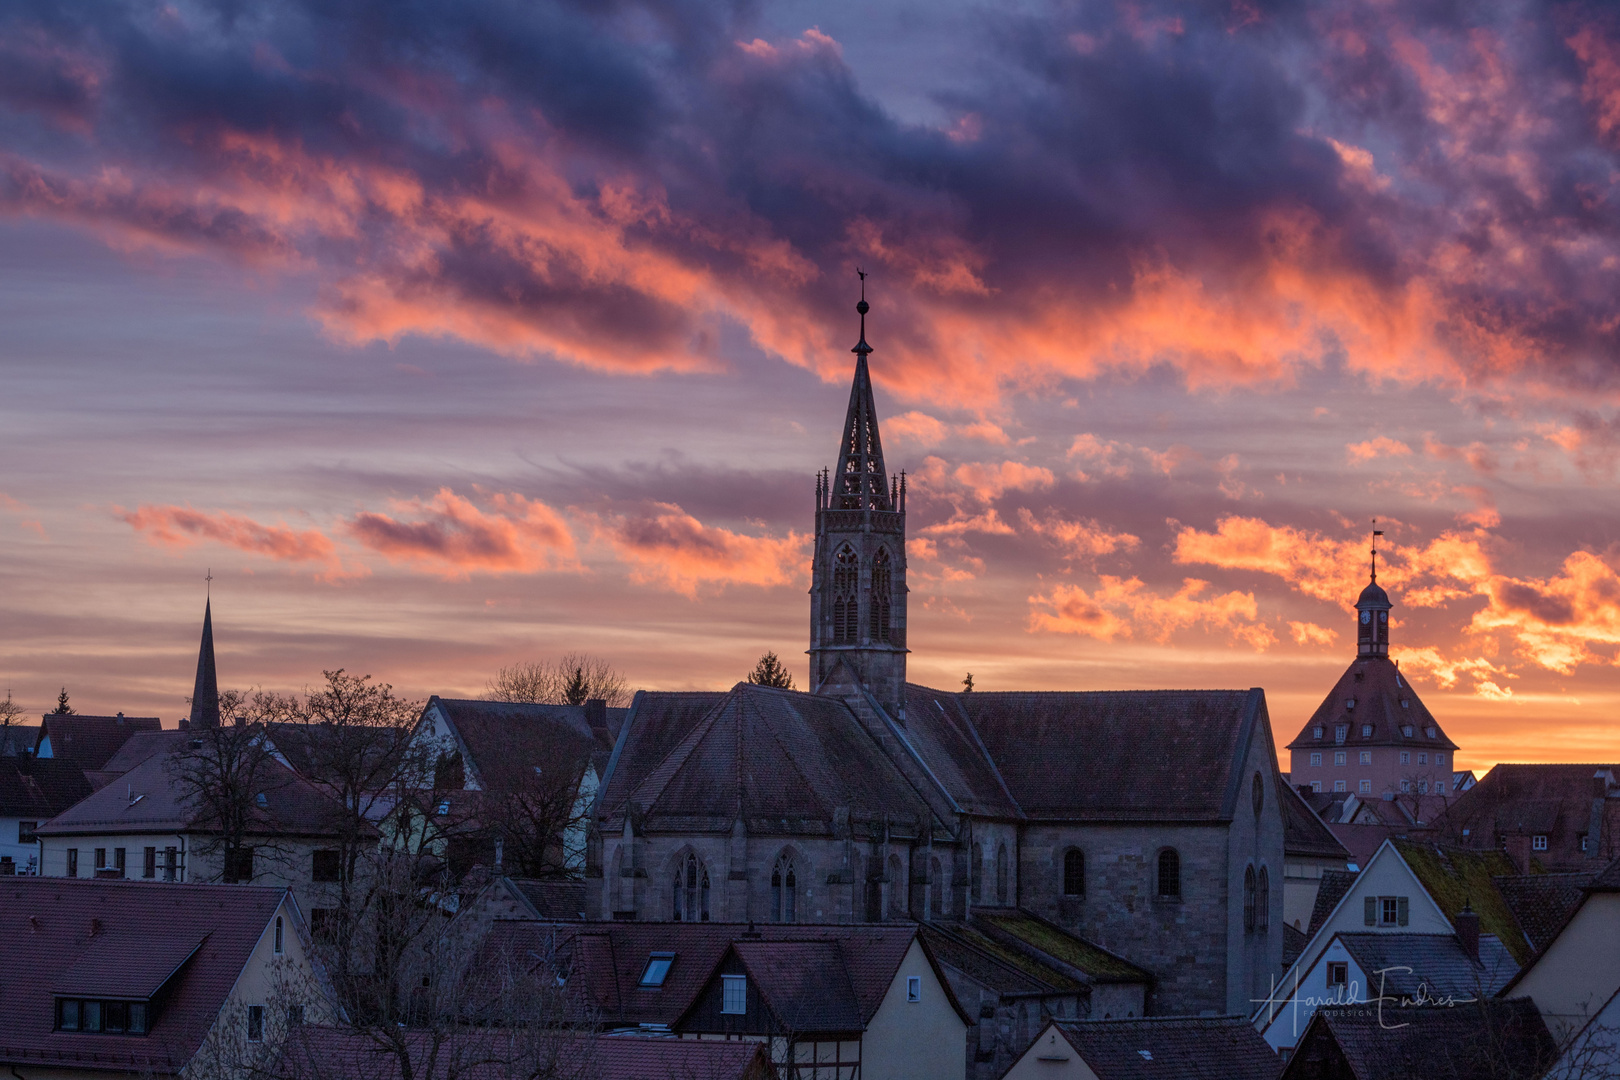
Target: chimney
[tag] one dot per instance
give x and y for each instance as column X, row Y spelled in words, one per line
column 1467, row 926
column 185, row 724
column 596, row 713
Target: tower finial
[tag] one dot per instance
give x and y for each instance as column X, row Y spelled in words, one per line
column 208, row 588
column 1376, row 534
column 863, row 307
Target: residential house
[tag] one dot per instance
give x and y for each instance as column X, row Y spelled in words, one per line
column 118, row 978
column 1187, row 1048
column 1546, row 817
column 1543, row 903
column 1574, row 975
column 18, row 739
column 852, row 1001
column 33, row 790
column 1407, row 888
column 89, row 741
column 1309, row 850
column 1505, row 1040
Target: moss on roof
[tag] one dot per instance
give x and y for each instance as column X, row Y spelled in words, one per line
column 1011, row 957
column 1453, row 876
column 1056, row 942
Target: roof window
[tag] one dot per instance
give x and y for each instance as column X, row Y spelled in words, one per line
column 657, row 968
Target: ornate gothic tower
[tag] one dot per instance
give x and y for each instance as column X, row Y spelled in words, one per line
column 858, row 582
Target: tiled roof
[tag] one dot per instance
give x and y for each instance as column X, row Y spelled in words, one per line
column 53, row 926
column 18, row 739
column 554, row 901
column 1457, row 876
column 90, row 741
column 1608, row 879
column 804, row 983
column 939, row 731
column 507, row 740
column 324, row 1052
column 608, row 959
column 1542, row 903
column 149, row 798
column 1504, row 1039
column 782, row 761
column 1304, row 834
column 1378, row 689
column 1145, row 754
column 1294, row 942
column 1035, row 932
column 1400, row 964
column 1187, row 1048
column 1363, row 841
column 655, row 725
column 136, row 749
column 1007, row 971
column 1334, row 884
column 39, row 788
column 1552, row 800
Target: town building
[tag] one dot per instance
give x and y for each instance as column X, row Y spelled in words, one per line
column 118, row 978
column 1546, row 817
column 33, row 790
column 1188, row 1048
column 1372, row 735
column 1148, row 823
column 1574, row 976
column 89, row 742
column 1499, row 1039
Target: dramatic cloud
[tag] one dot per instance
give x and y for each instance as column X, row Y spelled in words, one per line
column 450, row 536
column 1125, row 608
column 1425, row 194
column 1083, row 540
column 181, row 526
column 667, row 546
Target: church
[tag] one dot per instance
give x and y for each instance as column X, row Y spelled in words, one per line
column 1146, row 823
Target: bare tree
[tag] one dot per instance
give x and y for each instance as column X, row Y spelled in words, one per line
column 571, row 680
column 11, row 715
column 770, row 671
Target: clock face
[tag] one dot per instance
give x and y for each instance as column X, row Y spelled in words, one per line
column 1366, row 616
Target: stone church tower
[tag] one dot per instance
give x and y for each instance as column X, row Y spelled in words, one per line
column 858, row 581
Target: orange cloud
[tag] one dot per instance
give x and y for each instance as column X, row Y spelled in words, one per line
column 988, row 522
column 1558, row 622
column 450, row 536
column 1078, row 539
column 1123, row 608
column 181, row 526
column 1366, row 451
column 1313, row 564
column 1307, row 633
column 1484, row 674
column 988, row 482
column 672, row 548
column 917, row 428
column 1102, row 456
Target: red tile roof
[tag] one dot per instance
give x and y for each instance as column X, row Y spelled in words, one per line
column 1184, row 1047
column 1378, row 690
column 58, row 931
column 90, row 741
column 1552, row 800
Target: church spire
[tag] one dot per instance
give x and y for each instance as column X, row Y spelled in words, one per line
column 861, row 482
column 205, row 694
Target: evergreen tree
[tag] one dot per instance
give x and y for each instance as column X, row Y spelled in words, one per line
column 62, row 706
column 770, row 671
column 967, row 684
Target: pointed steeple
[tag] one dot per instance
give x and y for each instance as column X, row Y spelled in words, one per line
column 205, row 694
column 861, row 482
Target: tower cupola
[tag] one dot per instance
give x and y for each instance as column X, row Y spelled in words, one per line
column 1372, row 612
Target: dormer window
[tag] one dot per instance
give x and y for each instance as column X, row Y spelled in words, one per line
column 1405, row 704
column 1341, row 732
column 1406, row 729
column 1366, row 731
column 1316, row 733
column 734, row 995
column 1350, row 703
column 1430, row 732
column 101, row 1017
column 657, row 968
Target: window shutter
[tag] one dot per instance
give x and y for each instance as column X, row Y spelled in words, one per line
column 1370, row 911
column 1402, row 910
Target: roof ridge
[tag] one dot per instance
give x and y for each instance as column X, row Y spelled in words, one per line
column 659, row 777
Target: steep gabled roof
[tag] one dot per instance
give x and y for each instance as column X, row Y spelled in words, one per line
column 654, row 726
column 1146, row 755
column 1329, row 891
column 506, row 740
column 1457, row 876
column 783, row 762
column 804, row 983
column 1553, row 800
column 1542, row 903
column 122, row 939
column 39, row 788
column 1381, row 697
column 940, row 733
column 1304, row 834
column 1410, row 965
column 1462, row 1042
column 89, row 741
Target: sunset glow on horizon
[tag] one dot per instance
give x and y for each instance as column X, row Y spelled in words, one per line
column 450, row 338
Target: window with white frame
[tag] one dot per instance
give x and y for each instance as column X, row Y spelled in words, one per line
column 1423, row 759
column 1538, row 843
column 1338, row 785
column 1316, row 733
column 1316, row 786
column 1406, row 785
column 734, row 994
column 1338, row 973
column 1316, row 759
column 1338, row 757
column 1366, row 787
column 1341, row 732
column 255, row 1023
column 1439, row 759
column 1366, row 757
column 1406, row 757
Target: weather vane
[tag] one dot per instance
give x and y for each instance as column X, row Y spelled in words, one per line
column 1376, row 534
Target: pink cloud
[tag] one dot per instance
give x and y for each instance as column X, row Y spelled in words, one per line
column 665, row 545
column 181, row 526
column 449, row 535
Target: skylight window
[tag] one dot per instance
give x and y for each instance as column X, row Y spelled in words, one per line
column 657, row 968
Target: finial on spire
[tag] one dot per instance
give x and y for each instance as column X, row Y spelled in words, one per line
column 1376, row 534
column 208, row 588
column 863, row 307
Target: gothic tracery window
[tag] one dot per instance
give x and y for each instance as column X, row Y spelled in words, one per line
column 784, row 891
column 881, row 593
column 846, row 605
column 1248, row 899
column 691, row 889
column 1262, row 902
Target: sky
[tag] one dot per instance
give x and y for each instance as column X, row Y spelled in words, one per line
column 451, row 336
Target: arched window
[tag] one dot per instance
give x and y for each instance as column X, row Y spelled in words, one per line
column 976, row 874
column 897, row 888
column 1023, row 1025
column 1262, row 902
column 882, row 589
column 1248, row 899
column 691, row 902
column 936, row 889
column 1001, row 875
column 1074, row 873
column 1259, row 787
column 1169, row 875
column 846, row 607
column 784, row 891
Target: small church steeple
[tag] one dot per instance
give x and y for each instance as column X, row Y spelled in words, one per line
column 205, row 693
column 1372, row 612
column 858, row 580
